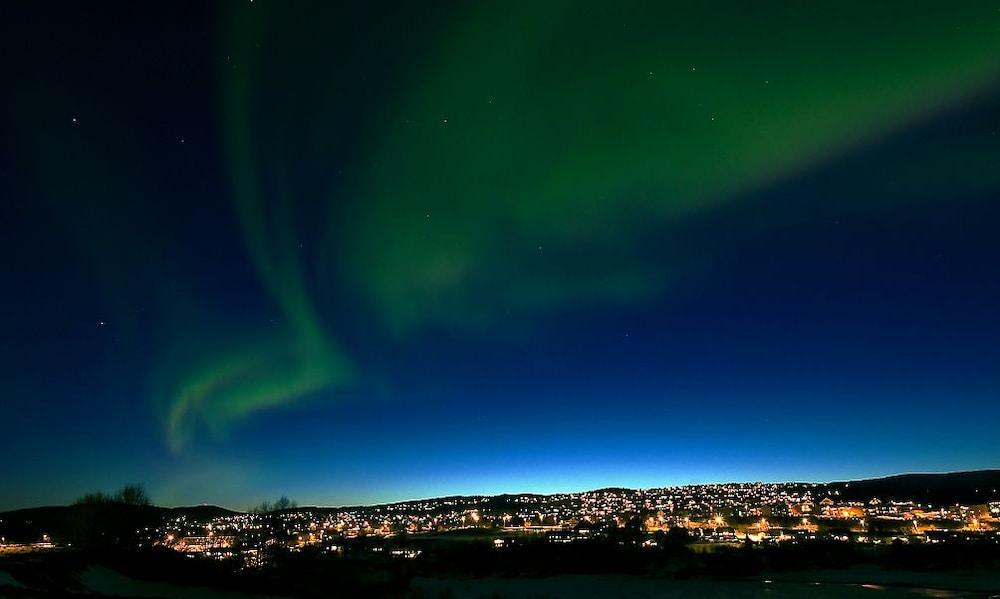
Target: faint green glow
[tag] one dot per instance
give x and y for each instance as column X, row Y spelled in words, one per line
column 531, row 134
column 276, row 368
column 519, row 160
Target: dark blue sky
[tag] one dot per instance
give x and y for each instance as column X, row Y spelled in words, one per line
column 292, row 252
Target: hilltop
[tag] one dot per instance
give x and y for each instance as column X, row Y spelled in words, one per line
column 109, row 522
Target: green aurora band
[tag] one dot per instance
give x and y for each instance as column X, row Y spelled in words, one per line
column 275, row 369
column 531, row 133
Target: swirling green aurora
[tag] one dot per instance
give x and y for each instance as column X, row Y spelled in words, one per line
column 513, row 136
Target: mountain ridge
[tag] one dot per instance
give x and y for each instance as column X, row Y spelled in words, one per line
column 963, row 486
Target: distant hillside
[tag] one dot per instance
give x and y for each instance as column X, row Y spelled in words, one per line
column 93, row 523
column 54, row 512
column 103, row 523
column 974, row 487
column 199, row 512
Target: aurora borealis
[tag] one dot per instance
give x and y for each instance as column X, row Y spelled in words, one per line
column 369, row 252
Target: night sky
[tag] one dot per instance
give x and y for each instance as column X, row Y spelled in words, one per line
column 370, row 252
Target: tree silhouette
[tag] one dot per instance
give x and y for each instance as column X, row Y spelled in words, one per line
column 281, row 504
column 130, row 494
column 103, row 519
column 133, row 494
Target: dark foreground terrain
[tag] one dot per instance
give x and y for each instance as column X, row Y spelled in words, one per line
column 469, row 568
column 110, row 547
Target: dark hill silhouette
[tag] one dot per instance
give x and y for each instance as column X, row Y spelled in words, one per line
column 109, row 522
column 94, row 524
column 973, row 487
